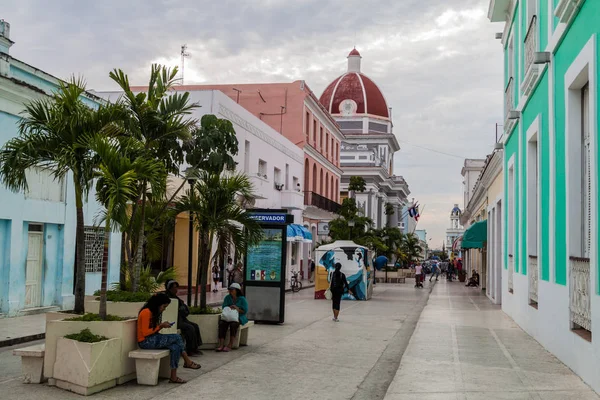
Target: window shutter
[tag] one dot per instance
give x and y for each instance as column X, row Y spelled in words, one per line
column 587, row 176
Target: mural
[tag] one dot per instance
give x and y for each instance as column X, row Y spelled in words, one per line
column 355, row 265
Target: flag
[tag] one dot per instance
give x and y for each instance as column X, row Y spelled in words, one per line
column 417, row 215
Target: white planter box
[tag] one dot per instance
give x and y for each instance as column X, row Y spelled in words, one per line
column 120, row 309
column 126, row 331
column 209, row 328
column 86, row 368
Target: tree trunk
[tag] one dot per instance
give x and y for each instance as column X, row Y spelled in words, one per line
column 80, row 253
column 137, row 266
column 103, row 283
column 201, row 250
column 205, row 266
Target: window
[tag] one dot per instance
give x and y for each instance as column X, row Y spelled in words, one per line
column 296, row 184
column 511, row 59
column 314, row 132
column 295, row 246
column 586, row 181
column 287, row 176
column 337, row 152
column 43, row 186
column 511, row 211
column 247, row 157
column 326, row 144
column 277, row 176
column 262, row 168
column 332, row 150
column 307, row 126
column 321, row 139
column 35, row 228
column 94, row 248
column 533, row 185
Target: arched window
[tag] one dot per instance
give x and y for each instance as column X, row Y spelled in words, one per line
column 337, row 190
column 332, row 194
column 314, row 178
column 306, row 175
column 321, row 181
column 326, row 193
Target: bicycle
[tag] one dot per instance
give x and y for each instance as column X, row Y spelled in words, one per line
column 295, row 283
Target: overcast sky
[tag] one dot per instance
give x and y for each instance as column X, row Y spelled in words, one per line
column 436, row 62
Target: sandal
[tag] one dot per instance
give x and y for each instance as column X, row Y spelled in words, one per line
column 226, row 350
column 178, row 380
column 219, row 349
column 193, row 365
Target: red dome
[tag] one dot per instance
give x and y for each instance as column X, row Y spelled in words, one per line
column 354, row 52
column 359, row 88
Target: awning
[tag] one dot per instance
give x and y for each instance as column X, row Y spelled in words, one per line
column 306, row 235
column 294, row 233
column 476, row 236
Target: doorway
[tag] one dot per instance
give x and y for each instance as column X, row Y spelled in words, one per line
column 33, row 270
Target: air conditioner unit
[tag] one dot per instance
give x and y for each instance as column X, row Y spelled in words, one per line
column 498, row 146
column 541, row 57
column 499, row 35
column 514, row 114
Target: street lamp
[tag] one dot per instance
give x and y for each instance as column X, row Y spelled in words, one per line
column 191, row 181
column 351, row 225
column 385, row 239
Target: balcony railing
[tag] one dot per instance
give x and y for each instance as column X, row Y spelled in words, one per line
column 511, row 268
column 530, row 43
column 316, row 200
column 579, row 291
column 533, row 279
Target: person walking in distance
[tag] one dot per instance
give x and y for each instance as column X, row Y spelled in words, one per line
column 216, row 275
column 228, row 271
column 311, row 265
column 337, row 285
column 418, row 275
column 435, row 270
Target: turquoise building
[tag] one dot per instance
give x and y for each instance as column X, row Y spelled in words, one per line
column 37, row 228
column 550, row 279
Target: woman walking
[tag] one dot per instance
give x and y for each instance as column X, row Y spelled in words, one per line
column 150, row 323
column 337, row 285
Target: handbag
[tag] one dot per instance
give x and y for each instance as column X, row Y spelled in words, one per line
column 230, row 315
column 328, row 294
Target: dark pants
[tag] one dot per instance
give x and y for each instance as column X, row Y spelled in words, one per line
column 191, row 333
column 232, row 326
column 336, row 299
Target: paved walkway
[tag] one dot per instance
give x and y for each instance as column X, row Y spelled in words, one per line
column 462, row 348
column 466, row 348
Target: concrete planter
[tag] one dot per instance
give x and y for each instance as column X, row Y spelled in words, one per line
column 87, row 368
column 120, row 309
column 126, row 331
column 209, row 328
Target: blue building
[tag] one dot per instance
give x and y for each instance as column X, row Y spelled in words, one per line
column 37, row 227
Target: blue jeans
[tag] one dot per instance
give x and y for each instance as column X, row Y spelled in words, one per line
column 172, row 341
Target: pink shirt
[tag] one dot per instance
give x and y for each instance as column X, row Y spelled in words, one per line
column 418, row 269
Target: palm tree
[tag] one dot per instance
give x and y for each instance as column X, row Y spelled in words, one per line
column 159, row 120
column 219, row 217
column 52, row 136
column 411, row 248
column 122, row 165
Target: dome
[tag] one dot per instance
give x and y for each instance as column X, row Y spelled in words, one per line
column 354, row 93
column 456, row 210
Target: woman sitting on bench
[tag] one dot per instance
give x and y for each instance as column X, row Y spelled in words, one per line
column 236, row 301
column 148, row 326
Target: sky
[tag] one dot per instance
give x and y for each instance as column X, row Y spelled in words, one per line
column 436, row 61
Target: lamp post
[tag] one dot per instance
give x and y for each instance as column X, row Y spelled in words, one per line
column 351, row 225
column 191, row 181
column 385, row 240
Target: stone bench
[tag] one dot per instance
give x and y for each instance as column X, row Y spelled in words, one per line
column 242, row 337
column 32, row 362
column 151, row 364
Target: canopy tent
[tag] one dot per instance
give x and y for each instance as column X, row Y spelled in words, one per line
column 298, row 233
column 476, row 236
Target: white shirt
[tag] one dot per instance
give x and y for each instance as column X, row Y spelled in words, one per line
column 418, row 269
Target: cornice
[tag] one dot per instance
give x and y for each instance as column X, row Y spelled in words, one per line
column 311, row 151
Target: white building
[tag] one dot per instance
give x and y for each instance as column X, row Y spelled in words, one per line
column 454, row 231
column 470, row 173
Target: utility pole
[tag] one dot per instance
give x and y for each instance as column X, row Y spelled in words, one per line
column 184, row 55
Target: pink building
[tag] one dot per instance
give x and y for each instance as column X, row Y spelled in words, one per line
column 293, row 110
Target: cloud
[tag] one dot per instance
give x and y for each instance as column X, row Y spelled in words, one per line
column 436, row 62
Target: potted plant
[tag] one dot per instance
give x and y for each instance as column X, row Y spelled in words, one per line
column 208, row 320
column 85, row 362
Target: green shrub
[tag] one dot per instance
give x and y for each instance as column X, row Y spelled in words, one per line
column 125, row 297
column 207, row 310
column 86, row 336
column 89, row 317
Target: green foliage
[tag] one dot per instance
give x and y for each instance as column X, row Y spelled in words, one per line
column 125, row 297
column 357, row 184
column 389, row 209
column 148, row 283
column 89, row 317
column 86, row 336
column 206, row 310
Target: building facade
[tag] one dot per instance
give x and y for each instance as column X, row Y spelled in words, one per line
column 37, row 227
column 368, row 149
column 550, row 282
column 293, row 110
column 454, row 231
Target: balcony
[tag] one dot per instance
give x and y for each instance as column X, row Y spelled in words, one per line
column 509, row 106
column 566, row 10
column 579, row 293
column 533, row 280
column 261, row 185
column 316, row 200
column 532, row 70
column 292, row 200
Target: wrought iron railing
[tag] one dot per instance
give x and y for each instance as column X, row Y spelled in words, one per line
column 579, row 291
column 533, row 279
column 315, row 199
column 530, row 43
column 511, row 268
column 509, row 98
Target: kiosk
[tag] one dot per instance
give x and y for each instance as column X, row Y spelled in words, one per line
column 355, row 265
column 264, row 274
